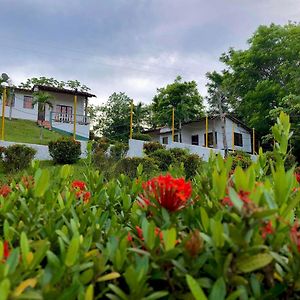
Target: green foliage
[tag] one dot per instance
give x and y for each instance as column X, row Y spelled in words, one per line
column 17, row 157
column 118, row 151
column 256, row 80
column 192, row 163
column 240, row 158
column 235, row 238
column 183, row 96
column 152, row 146
column 163, row 157
column 65, row 150
column 128, row 166
column 141, row 136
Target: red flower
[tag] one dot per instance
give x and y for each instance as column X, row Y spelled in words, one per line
column 266, row 230
column 80, row 191
column 77, row 184
column 295, row 235
column 171, row 193
column 139, row 232
column 6, row 250
column 5, row 190
column 227, row 201
column 129, row 237
column 297, row 175
column 27, row 181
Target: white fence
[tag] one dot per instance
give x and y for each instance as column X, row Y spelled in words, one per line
column 42, row 152
column 136, row 149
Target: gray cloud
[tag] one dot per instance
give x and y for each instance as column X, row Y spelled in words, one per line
column 133, row 46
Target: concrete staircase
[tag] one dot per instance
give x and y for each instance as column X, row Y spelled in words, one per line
column 45, row 124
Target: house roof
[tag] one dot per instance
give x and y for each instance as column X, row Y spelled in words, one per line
column 63, row 91
column 230, row 117
column 55, row 90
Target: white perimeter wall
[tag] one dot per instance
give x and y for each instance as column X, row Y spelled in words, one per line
column 42, row 150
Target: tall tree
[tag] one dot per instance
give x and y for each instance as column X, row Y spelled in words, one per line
column 183, row 96
column 112, row 119
column 259, row 77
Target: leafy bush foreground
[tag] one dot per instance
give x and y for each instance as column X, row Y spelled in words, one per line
column 225, row 235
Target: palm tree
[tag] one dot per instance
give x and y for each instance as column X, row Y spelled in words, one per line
column 42, row 99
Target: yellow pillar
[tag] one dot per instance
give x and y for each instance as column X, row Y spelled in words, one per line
column 253, row 141
column 206, row 132
column 75, row 113
column 232, row 136
column 131, row 119
column 173, row 124
column 3, row 112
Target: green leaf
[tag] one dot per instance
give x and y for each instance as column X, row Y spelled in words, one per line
column 204, row 218
column 157, row 295
column 89, row 293
column 169, row 237
column 41, row 182
column 118, row 291
column 42, row 248
column 65, row 171
column 218, row 290
column 72, row 252
column 251, row 263
column 109, row 276
column 13, row 260
column 24, row 247
column 195, row 288
column 4, row 289
column 237, row 202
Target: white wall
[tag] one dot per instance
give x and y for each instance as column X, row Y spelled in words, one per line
column 18, row 112
column 42, row 150
column 82, row 130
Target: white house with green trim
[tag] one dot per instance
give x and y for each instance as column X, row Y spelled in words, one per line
column 60, row 117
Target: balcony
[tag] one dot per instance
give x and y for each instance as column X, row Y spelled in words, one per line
column 69, row 118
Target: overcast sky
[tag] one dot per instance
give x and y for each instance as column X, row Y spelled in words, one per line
column 131, row 46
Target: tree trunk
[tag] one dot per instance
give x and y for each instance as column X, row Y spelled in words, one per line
column 41, row 133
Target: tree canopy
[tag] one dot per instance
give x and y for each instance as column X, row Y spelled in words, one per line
column 256, row 79
column 70, row 84
column 183, row 96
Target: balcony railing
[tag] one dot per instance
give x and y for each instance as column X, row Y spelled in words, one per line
column 69, row 118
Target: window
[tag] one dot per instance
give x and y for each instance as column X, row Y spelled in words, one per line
column 238, row 139
column 210, row 139
column 165, row 140
column 195, row 139
column 176, row 138
column 28, row 102
column 63, row 113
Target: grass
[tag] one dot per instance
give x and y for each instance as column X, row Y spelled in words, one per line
column 24, row 131
column 79, row 169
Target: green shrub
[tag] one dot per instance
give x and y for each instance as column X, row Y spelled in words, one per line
column 17, row 157
column 102, row 145
column 65, row 150
column 179, row 154
column 192, row 162
column 290, row 159
column 240, row 158
column 163, row 157
column 128, row 166
column 141, row 136
column 118, row 151
column 152, row 146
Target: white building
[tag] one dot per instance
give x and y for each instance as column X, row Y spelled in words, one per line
column 58, row 118
column 238, row 135
column 193, row 137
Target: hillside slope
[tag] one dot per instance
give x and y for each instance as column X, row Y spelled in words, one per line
column 25, row 131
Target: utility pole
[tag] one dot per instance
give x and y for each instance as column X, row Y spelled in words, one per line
column 220, row 97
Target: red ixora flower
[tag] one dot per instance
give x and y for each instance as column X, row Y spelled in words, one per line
column 244, row 196
column 6, row 250
column 5, row 190
column 171, row 193
column 80, row 191
column 297, row 175
column 267, row 229
column 77, row 184
column 295, row 235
